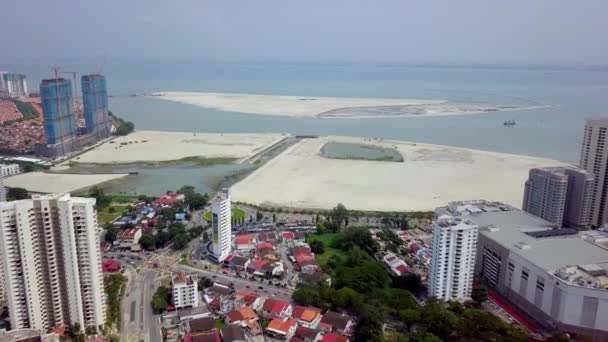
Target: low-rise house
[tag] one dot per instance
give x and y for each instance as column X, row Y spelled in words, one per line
column 185, row 291
column 308, row 317
column 281, row 329
column 169, row 199
column 111, row 266
column 337, row 323
column 300, row 236
column 267, row 237
column 251, row 299
column 245, row 243
column 275, row 308
column 313, row 278
column 200, row 325
column 265, row 268
column 239, row 263
column 397, row 266
column 288, row 237
column 129, row 238
column 304, row 334
column 241, row 316
column 233, row 333
column 267, row 251
column 203, row 336
column 333, row 337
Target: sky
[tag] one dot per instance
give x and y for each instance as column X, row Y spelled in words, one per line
column 345, row 31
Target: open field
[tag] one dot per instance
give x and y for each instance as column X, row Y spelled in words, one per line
column 54, row 182
column 327, row 240
column 329, row 107
column 156, row 147
column 237, row 214
column 429, row 176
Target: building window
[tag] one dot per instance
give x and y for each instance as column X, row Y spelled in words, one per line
column 524, row 275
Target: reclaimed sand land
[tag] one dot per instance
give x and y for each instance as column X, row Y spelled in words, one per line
column 153, row 146
column 53, row 182
column 330, row 107
column 430, row 176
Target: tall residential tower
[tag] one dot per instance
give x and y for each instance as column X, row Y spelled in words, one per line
column 560, row 195
column 51, row 262
column 452, row 267
column 221, row 223
column 15, row 84
column 594, row 159
column 95, row 98
column 59, row 119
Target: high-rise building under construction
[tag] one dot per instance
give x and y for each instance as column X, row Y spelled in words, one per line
column 59, row 119
column 95, row 100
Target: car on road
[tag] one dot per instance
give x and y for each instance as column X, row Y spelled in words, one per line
column 247, row 286
column 213, row 276
column 260, row 287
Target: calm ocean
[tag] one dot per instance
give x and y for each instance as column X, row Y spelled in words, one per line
column 553, row 132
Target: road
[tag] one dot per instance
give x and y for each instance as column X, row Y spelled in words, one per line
column 241, row 283
column 287, row 263
column 139, row 322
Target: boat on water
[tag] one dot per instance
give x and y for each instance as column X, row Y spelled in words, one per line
column 509, row 123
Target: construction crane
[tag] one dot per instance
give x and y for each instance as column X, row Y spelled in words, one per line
column 75, row 97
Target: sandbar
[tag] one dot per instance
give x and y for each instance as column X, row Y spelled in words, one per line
column 429, row 176
column 154, row 146
column 330, row 107
column 42, row 182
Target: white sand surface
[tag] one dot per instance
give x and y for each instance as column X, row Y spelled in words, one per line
column 331, row 107
column 430, row 176
column 301, row 106
column 152, row 146
column 55, row 182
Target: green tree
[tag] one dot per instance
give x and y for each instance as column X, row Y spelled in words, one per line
column 147, row 242
column 204, row 283
column 317, row 246
column 409, row 317
column 180, row 241
column 14, row 194
column 479, row 295
column 160, row 299
column 339, row 215
column 306, row 295
column 558, row 337
column 321, row 228
column 101, row 200
column 114, row 338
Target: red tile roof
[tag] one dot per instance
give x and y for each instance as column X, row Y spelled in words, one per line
column 275, row 306
column 111, row 266
column 333, row 337
column 288, row 235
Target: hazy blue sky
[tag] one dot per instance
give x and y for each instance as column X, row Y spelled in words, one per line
column 395, row 31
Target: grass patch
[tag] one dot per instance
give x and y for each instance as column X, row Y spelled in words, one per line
column 195, row 160
column 327, row 240
column 219, row 324
column 237, row 214
column 115, row 289
column 184, row 261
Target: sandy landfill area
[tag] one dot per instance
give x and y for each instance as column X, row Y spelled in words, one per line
column 54, row 182
column 330, row 107
column 153, row 146
column 430, row 176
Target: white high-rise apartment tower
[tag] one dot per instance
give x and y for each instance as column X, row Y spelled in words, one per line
column 454, row 248
column 221, row 223
column 2, row 189
column 51, row 262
